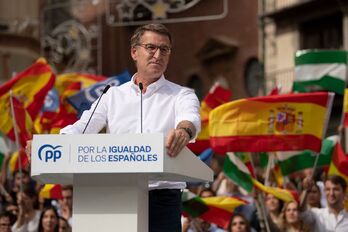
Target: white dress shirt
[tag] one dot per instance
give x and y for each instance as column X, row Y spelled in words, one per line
column 325, row 221
column 165, row 104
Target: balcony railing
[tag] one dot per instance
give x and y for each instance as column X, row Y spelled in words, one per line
column 280, row 78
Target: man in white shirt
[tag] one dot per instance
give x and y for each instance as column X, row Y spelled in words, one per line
column 334, row 217
column 167, row 108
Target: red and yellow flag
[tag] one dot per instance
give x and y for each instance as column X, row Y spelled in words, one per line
column 51, row 191
column 285, row 195
column 68, row 80
column 339, row 163
column 217, row 209
column 345, row 108
column 216, row 96
column 14, row 161
column 220, row 209
column 23, row 121
column 66, row 85
column 272, row 123
column 30, row 87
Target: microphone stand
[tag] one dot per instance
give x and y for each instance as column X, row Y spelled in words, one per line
column 141, row 87
column 90, row 117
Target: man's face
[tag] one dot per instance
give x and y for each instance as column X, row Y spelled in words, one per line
column 151, row 64
column 334, row 194
column 67, row 199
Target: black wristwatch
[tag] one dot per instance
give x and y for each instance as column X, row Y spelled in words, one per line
column 188, row 131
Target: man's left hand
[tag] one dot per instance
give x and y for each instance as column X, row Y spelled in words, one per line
column 177, row 139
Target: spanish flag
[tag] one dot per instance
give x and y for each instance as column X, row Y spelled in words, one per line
column 217, row 210
column 51, row 191
column 18, row 156
column 272, row 123
column 66, row 85
column 68, row 80
column 345, row 108
column 217, row 95
column 339, row 163
column 30, row 87
column 23, row 121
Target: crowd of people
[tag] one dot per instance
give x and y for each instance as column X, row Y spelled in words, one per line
column 320, row 205
column 23, row 209
column 175, row 113
column 321, row 208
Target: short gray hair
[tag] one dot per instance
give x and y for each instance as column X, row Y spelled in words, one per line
column 153, row 27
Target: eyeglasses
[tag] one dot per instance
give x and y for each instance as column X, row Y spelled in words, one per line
column 152, row 49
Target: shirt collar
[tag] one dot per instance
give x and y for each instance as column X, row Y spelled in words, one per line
column 152, row 87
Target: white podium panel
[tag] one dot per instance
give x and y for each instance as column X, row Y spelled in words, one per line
column 110, row 174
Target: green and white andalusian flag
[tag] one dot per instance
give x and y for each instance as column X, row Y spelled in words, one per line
column 293, row 161
column 318, row 70
column 237, row 171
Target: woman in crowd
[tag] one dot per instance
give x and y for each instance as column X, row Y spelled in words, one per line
column 238, row 223
column 274, row 207
column 64, row 225
column 49, row 220
column 27, row 217
column 290, row 219
column 314, row 196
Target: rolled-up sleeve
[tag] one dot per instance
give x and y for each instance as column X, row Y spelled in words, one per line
column 187, row 108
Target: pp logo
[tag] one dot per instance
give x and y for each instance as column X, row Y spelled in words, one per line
column 48, row 152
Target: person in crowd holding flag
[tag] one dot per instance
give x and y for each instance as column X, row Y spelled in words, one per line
column 274, row 207
column 290, row 220
column 314, row 196
column 28, row 217
column 168, row 108
column 334, row 217
column 66, row 203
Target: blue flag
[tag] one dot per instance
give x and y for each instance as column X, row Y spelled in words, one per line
column 51, row 103
column 83, row 100
column 206, row 156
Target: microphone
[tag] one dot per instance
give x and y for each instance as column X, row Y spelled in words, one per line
column 141, row 87
column 90, row 117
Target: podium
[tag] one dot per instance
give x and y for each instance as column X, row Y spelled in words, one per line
column 110, row 175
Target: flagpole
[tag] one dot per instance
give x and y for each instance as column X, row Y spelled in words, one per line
column 14, row 122
column 270, row 163
column 304, row 196
column 260, row 206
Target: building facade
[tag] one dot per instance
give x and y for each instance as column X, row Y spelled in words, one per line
column 213, row 40
column 290, row 25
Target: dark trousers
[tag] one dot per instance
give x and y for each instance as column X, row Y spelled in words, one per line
column 165, row 210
